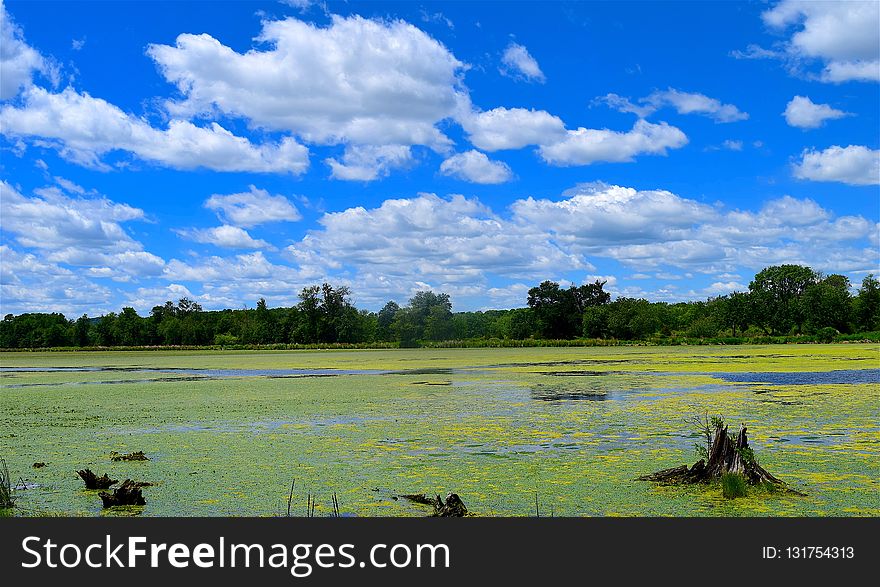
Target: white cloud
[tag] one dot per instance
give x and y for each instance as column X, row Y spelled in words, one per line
column 460, row 245
column 84, row 128
column 854, row 165
column 253, row 207
column 369, row 162
column 54, row 221
column 355, row 81
column 585, row 146
column 77, row 231
column 28, row 284
column 512, row 128
column 518, row 63
column 230, row 237
column 844, row 36
column 144, row 299
column 683, row 102
column 476, row 167
column 433, row 240
column 18, row 61
column 600, row 215
column 732, row 145
column 803, row 113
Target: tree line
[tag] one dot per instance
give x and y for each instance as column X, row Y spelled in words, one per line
column 783, row 300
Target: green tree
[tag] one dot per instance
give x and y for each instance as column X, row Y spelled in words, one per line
column 128, row 328
column 81, row 329
column 777, row 293
column 828, row 303
column 384, row 320
column 867, row 304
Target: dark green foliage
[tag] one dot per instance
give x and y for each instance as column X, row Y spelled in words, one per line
column 778, row 293
column 867, row 305
column 559, row 312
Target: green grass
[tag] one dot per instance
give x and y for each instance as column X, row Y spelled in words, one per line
column 733, row 485
column 232, row 446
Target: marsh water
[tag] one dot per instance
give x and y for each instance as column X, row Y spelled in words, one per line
column 227, row 432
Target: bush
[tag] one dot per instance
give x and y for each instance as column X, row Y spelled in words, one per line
column 733, row 485
column 826, row 334
column 225, row 339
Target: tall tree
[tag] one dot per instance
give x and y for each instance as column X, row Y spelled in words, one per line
column 778, row 297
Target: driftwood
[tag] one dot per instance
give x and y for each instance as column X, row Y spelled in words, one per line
column 727, row 454
column 126, row 494
column 452, row 507
column 92, row 481
column 132, row 456
column 419, row 498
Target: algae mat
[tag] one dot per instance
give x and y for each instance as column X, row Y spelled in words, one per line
column 227, row 432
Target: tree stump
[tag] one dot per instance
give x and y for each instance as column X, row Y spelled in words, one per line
column 92, row 481
column 126, row 494
column 727, row 454
column 453, row 507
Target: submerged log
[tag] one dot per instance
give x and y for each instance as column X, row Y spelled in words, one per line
column 419, row 498
column 727, row 454
column 126, row 494
column 92, row 481
column 132, row 456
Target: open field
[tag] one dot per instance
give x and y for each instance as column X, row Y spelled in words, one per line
column 226, row 432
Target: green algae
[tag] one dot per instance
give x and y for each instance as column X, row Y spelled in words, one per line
column 493, row 425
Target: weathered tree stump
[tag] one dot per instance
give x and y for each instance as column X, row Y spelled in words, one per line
column 453, row 507
column 92, row 481
column 727, row 454
column 125, row 494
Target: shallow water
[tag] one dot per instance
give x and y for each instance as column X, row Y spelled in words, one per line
column 226, row 433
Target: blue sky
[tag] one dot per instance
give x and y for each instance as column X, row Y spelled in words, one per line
column 227, row 151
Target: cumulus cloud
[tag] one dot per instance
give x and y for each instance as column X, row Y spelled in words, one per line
column 853, row 165
column 83, row 129
column 843, row 36
column 28, row 284
column 230, row 237
column 253, row 207
column 585, row 146
column 354, row 81
column 369, row 162
column 476, row 167
column 460, row 245
column 518, row 63
column 433, row 239
column 18, row 60
column 804, row 113
column 52, row 220
column 683, row 102
column 77, row 231
column 512, row 128
column 598, row 214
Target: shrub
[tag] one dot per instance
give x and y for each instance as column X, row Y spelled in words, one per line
column 826, row 334
column 733, row 485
